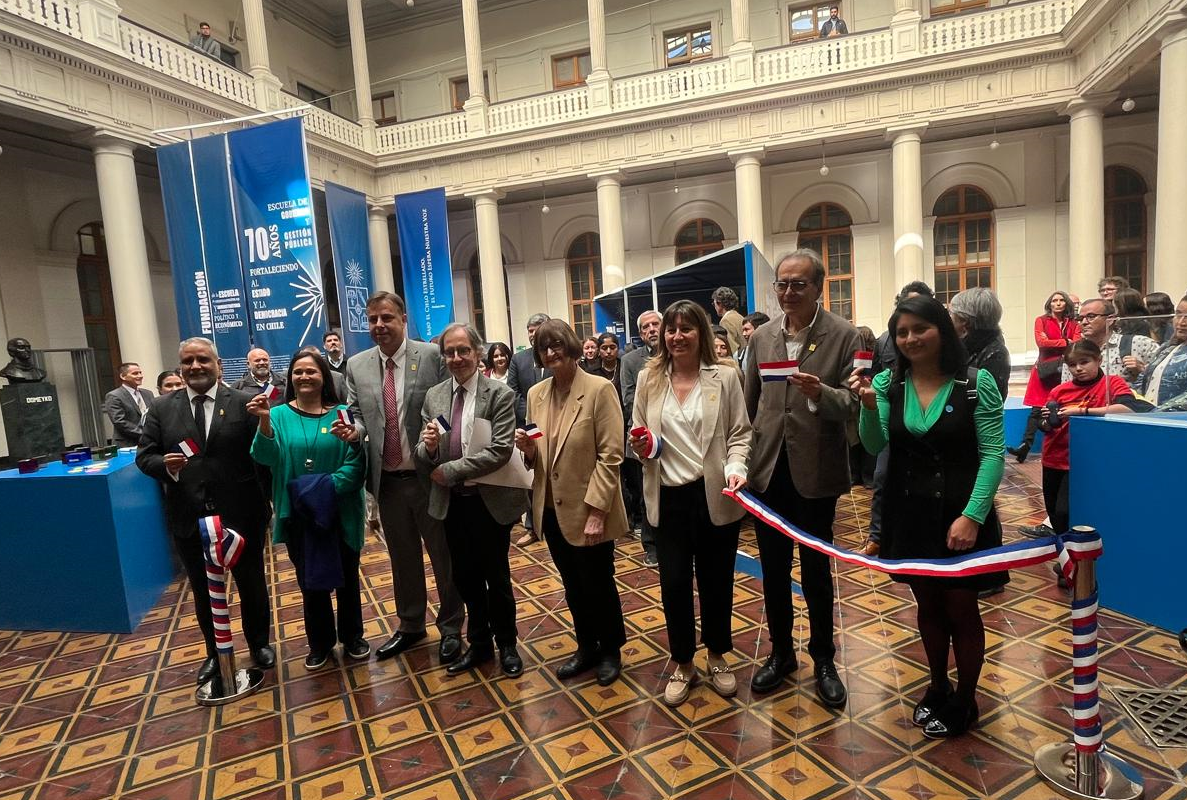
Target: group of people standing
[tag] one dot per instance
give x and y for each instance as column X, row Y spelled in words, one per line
column 425, row 430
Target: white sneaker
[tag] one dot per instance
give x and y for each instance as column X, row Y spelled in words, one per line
column 721, row 678
column 683, row 678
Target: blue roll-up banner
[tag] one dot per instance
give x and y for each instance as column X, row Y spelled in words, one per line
column 273, row 207
column 239, row 214
column 350, row 243
column 423, row 227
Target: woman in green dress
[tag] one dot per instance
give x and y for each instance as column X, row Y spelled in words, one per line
column 317, row 494
column 944, row 425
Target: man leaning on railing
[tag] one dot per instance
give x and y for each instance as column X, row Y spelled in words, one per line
column 206, row 43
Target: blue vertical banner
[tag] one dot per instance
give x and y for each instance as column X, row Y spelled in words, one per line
column 273, row 209
column 422, row 224
column 350, row 243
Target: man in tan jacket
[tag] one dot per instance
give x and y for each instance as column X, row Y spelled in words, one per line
column 799, row 460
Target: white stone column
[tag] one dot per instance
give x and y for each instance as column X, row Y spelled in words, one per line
column 476, row 104
column 100, row 23
column 267, row 84
column 610, row 235
column 741, row 50
column 1086, row 197
column 362, row 71
column 748, row 185
column 381, row 250
column 905, row 28
column 907, row 160
column 1170, row 224
column 598, row 79
column 490, row 264
column 123, row 227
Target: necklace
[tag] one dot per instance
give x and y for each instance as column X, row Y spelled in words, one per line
column 305, row 436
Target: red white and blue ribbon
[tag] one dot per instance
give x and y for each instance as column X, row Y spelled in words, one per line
column 778, row 370
column 533, row 431
column 346, row 417
column 1068, row 548
column 863, row 360
column 442, row 423
column 221, row 547
column 655, row 445
column 271, row 391
column 189, row 448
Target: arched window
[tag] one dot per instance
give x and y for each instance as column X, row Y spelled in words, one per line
column 1125, row 226
column 584, row 262
column 826, row 229
column 697, row 238
column 98, row 307
column 963, row 241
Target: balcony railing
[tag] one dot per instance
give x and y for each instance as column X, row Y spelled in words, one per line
column 180, row 61
column 333, row 127
column 824, row 57
column 60, row 15
column 949, row 34
column 671, row 85
column 427, row 132
column 539, row 110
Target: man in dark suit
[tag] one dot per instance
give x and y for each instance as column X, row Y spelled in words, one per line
column 127, row 405
column 386, row 386
column 648, row 325
column 259, row 375
column 220, row 478
column 799, row 461
column 523, row 373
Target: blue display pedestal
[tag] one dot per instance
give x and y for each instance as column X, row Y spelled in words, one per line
column 1016, row 415
column 85, row 547
column 1127, row 482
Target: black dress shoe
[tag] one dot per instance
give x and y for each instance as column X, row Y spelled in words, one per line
column 1020, row 453
column 475, row 655
column 829, row 688
column 932, row 700
column 951, row 719
column 398, row 644
column 449, row 649
column 777, row 667
column 510, row 661
column 208, row 670
column 576, row 664
column 264, row 657
column 609, row 668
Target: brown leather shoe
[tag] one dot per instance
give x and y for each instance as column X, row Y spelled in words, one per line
column 526, row 539
column 871, row 549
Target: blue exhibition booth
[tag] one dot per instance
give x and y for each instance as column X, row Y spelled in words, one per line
column 85, row 546
column 741, row 267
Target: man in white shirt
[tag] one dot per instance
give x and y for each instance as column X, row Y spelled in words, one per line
column 127, row 405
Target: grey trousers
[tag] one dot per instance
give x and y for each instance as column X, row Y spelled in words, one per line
column 404, row 514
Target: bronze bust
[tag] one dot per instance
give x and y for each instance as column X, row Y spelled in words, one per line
column 22, row 369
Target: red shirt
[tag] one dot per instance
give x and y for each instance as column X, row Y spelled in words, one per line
column 1055, row 442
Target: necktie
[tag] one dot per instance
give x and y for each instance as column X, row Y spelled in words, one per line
column 139, row 402
column 200, row 419
column 393, row 451
column 455, row 424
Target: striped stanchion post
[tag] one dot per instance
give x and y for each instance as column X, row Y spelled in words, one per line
column 221, row 548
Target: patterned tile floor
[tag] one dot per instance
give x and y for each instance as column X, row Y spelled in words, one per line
column 104, row 716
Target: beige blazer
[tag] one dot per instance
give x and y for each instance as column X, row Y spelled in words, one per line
column 725, row 435
column 584, row 469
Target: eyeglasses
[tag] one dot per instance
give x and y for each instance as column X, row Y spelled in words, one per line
column 552, row 347
column 458, row 352
column 781, row 287
column 1090, row 317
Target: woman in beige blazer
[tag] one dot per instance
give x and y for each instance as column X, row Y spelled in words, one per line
column 694, row 406
column 577, row 494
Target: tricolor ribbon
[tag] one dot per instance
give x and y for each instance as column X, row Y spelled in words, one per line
column 221, row 548
column 271, row 391
column 863, row 360
column 655, row 445
column 1068, row 548
column 533, row 431
column 189, row 448
column 442, row 423
column 778, row 370
column 346, row 417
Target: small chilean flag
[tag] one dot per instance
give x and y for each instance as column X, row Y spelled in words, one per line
column 271, row 391
column 533, row 431
column 654, row 445
column 345, row 416
column 442, row 423
column 863, row 360
column 778, row 370
column 189, row 448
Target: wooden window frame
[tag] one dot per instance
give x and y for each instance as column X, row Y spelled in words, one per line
column 792, row 38
column 477, row 315
column 1112, row 249
column 823, row 234
column 689, row 32
column 99, row 262
column 592, row 263
column 454, row 83
column 575, row 57
column 316, row 96
column 386, row 120
column 961, row 218
column 703, row 246
column 957, row 6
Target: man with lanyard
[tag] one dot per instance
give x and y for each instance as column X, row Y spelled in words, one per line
column 797, row 398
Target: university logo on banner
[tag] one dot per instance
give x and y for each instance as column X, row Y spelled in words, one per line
column 350, row 242
column 423, row 227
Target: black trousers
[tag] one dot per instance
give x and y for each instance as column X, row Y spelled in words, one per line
column 588, row 577
column 776, row 554
column 320, row 630
column 1055, row 497
column 254, row 610
column 688, row 544
column 478, row 548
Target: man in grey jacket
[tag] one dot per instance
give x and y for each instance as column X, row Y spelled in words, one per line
column 648, row 324
column 205, row 43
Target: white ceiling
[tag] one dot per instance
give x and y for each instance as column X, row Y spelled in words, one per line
column 327, row 18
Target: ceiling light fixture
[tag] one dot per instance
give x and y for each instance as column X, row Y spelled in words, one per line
column 544, row 209
column 410, row 3
column 993, row 145
column 824, row 170
column 675, row 185
column 1129, row 104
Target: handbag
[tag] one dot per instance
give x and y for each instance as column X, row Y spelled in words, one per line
column 1049, row 369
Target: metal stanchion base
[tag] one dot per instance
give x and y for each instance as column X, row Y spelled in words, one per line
column 247, row 681
column 1117, row 780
